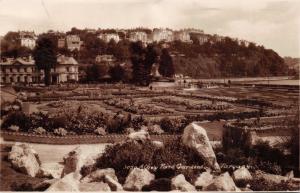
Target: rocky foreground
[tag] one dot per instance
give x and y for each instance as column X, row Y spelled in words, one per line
column 68, row 177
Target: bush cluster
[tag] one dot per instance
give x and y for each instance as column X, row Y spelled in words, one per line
column 136, row 154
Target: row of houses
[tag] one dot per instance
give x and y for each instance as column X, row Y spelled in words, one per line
column 24, row 70
column 72, row 42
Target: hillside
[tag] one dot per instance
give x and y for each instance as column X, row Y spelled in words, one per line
column 226, row 58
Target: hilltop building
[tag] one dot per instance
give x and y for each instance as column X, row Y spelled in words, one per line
column 109, row 36
column 27, row 39
column 162, row 35
column 183, row 36
column 73, row 42
column 138, row 36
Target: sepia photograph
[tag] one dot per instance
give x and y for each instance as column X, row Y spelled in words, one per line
column 149, row 95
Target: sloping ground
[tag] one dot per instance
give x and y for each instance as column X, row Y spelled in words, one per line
column 8, row 94
column 201, row 67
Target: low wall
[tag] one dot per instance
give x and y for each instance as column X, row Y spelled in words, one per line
column 73, row 139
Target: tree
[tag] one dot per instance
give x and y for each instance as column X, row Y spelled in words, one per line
column 137, row 59
column 142, row 60
column 117, row 73
column 166, row 67
column 96, row 72
column 44, row 55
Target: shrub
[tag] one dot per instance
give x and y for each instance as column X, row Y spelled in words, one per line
column 260, row 184
column 19, row 119
column 154, row 129
column 136, row 154
column 137, row 122
column 174, row 125
column 118, row 123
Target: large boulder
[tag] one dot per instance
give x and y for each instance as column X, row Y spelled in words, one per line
column 242, row 174
column 222, row 183
column 79, row 157
column 24, row 159
column 179, row 183
column 113, row 183
column 98, row 175
column 276, row 178
column 195, row 137
column 51, row 170
column 138, row 178
column 203, row 180
column 94, row 187
column 69, row 182
column 158, row 144
column 140, row 136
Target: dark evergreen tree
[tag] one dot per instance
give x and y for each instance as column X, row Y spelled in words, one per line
column 45, row 57
column 166, row 67
column 117, row 73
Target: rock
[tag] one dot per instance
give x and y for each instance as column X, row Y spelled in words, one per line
column 39, row 130
column 25, row 159
column 138, row 178
column 94, row 187
column 161, row 184
column 42, row 186
column 179, row 183
column 129, row 130
column 222, row 183
column 290, row 174
column 270, row 177
column 140, row 136
column 51, row 170
column 100, row 131
column 14, row 128
column 60, row 131
column 195, row 137
column 242, row 174
column 112, row 183
column 79, row 157
column 203, row 180
column 69, row 182
column 158, row 144
column 98, row 175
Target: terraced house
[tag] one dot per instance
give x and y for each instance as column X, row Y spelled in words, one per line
column 24, row 71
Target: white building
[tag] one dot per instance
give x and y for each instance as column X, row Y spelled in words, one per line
column 109, row 36
column 27, row 39
column 183, row 36
column 105, row 58
column 24, row 70
column 138, row 36
column 162, row 35
column 73, row 42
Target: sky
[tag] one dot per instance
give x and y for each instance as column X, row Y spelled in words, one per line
column 275, row 24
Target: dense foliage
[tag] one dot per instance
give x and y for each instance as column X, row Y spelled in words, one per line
column 45, row 56
column 144, row 154
column 227, row 58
